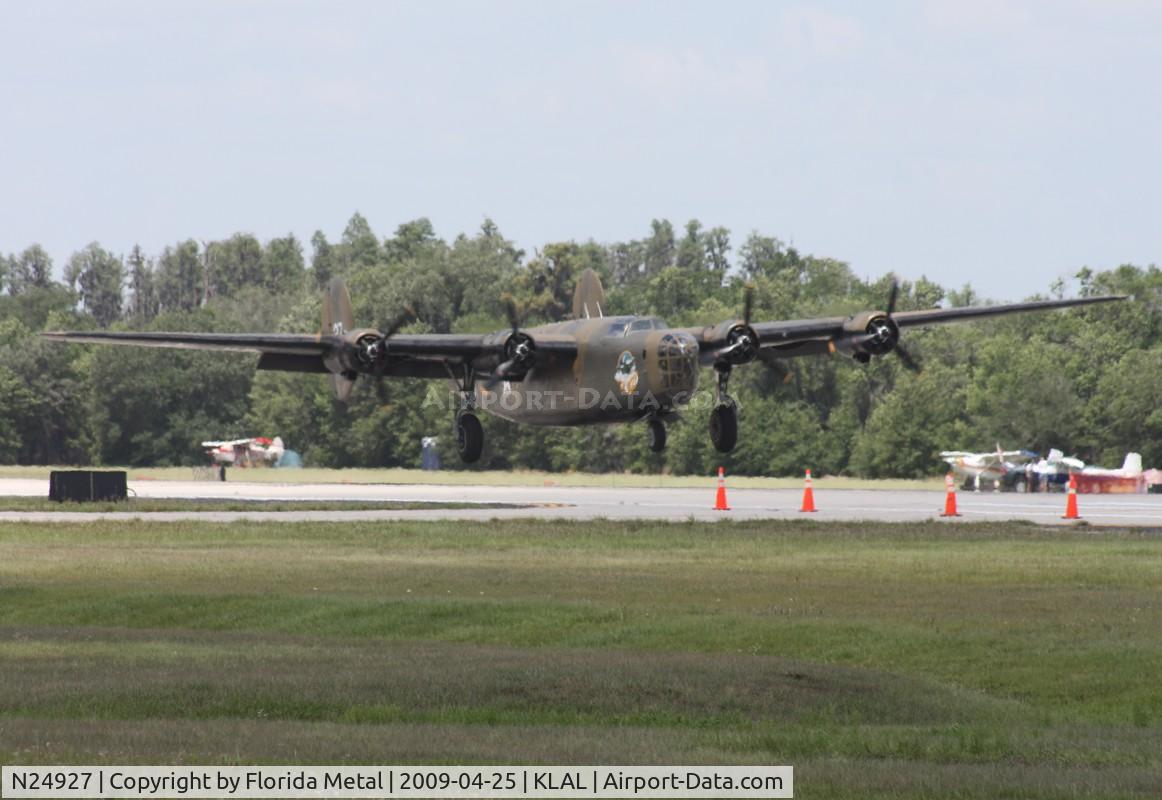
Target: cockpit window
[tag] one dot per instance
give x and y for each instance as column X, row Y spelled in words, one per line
column 641, row 325
column 617, row 329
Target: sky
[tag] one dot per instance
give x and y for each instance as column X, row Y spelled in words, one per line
column 1006, row 144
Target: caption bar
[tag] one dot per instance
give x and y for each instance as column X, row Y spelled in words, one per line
column 390, row 782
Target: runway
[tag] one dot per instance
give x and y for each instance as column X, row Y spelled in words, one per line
column 558, row 502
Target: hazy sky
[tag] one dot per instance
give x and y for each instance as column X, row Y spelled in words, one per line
column 1004, row 143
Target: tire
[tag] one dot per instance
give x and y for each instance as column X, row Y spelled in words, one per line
column 724, row 427
column 656, row 433
column 469, row 438
column 1021, row 485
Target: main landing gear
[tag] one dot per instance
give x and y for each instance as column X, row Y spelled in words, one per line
column 469, row 437
column 724, row 417
column 656, row 433
column 469, row 432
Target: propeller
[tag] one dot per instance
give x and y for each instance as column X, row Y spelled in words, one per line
column 519, row 351
column 742, row 342
column 898, row 349
column 376, row 352
column 358, row 351
column 883, row 334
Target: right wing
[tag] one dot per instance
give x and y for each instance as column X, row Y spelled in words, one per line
column 427, row 355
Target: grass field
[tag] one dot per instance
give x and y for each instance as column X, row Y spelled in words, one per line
column 474, row 477
column 923, row 660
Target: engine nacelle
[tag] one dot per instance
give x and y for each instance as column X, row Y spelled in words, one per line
column 740, row 342
column 516, row 351
column 872, row 333
column 362, row 351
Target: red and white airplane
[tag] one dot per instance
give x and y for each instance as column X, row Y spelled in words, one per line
column 1130, row 479
column 256, row 452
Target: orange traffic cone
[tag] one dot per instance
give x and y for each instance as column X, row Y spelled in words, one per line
column 1071, row 500
column 949, row 497
column 720, row 498
column 808, row 495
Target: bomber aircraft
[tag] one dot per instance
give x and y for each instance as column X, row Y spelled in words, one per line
column 591, row 369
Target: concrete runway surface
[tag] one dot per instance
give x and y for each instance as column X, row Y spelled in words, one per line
column 559, row 502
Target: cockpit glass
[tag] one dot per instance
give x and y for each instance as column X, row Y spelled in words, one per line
column 616, row 329
column 641, row 325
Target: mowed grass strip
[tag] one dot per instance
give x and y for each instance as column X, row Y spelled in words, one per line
column 944, row 649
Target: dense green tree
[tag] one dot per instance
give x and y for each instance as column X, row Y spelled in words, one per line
column 143, row 300
column 99, row 277
column 44, row 394
column 282, row 266
column 360, row 247
column 910, row 425
column 660, row 249
column 716, row 243
column 150, row 406
column 232, row 264
column 323, row 260
column 32, row 269
column 691, row 254
column 546, row 285
column 1124, row 414
column 180, row 277
column 414, row 237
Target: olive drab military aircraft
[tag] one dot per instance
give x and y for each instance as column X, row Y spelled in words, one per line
column 588, row 370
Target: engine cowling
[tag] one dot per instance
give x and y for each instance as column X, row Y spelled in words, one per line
column 740, row 343
column 873, row 333
column 513, row 355
column 362, row 351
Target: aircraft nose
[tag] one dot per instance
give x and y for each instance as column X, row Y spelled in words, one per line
column 678, row 362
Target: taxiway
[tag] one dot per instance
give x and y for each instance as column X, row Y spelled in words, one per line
column 559, row 502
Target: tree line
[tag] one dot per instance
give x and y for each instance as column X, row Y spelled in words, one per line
column 1085, row 381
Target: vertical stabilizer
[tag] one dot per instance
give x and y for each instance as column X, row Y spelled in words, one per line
column 1133, row 465
column 588, row 297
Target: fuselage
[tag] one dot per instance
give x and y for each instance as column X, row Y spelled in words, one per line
column 625, row 368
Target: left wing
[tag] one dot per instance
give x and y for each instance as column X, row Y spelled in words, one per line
column 870, row 333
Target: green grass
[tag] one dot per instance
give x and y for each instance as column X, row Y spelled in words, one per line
column 977, row 660
column 472, row 477
column 148, row 504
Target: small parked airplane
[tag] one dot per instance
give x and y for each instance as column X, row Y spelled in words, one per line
column 257, row 452
column 1130, row 479
column 975, row 468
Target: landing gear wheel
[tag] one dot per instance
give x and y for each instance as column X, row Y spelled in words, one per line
column 657, row 435
column 724, row 427
column 469, row 437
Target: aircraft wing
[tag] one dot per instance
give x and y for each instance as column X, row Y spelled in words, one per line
column 282, row 343
column 814, row 336
column 414, row 355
